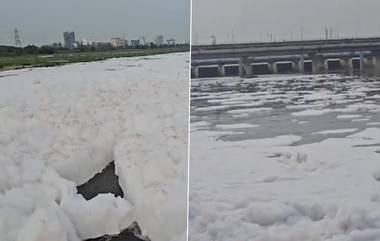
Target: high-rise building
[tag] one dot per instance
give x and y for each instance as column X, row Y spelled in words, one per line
column 69, row 40
column 159, row 40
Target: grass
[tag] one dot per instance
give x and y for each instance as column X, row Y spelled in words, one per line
column 61, row 58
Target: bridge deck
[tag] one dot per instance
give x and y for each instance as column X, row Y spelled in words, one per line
column 285, row 48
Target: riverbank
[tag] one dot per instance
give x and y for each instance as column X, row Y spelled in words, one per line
column 62, row 58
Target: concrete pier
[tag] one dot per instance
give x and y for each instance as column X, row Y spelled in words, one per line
column 301, row 64
column 376, row 62
column 318, row 64
column 361, row 56
column 347, row 66
column 248, row 68
column 241, row 67
column 245, row 67
column 195, row 72
column 222, row 71
column 273, row 67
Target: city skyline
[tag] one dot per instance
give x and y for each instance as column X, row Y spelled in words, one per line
column 74, row 41
column 95, row 19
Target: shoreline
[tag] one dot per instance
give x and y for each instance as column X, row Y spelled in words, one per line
column 60, row 59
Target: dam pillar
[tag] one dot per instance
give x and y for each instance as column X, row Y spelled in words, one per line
column 241, row 67
column 361, row 61
column 248, row 68
column 222, row 70
column 368, row 65
column 318, row 64
column 245, row 67
column 347, row 67
column 376, row 63
column 273, row 67
column 301, row 64
column 195, row 72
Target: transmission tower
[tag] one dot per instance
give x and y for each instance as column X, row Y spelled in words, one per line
column 17, row 39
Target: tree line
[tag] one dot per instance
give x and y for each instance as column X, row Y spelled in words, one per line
column 10, row 51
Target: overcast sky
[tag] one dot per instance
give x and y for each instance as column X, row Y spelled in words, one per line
column 254, row 20
column 43, row 21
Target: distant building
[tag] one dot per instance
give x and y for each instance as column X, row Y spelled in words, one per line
column 159, row 40
column 118, row 42
column 102, row 45
column 170, row 41
column 69, row 40
column 87, row 42
column 135, row 42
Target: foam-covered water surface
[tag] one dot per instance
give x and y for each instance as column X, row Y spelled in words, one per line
column 290, row 104
column 284, row 158
column 61, row 126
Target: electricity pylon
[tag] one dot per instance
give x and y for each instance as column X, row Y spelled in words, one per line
column 17, row 39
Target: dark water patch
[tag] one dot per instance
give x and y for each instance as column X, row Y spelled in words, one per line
column 104, row 182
